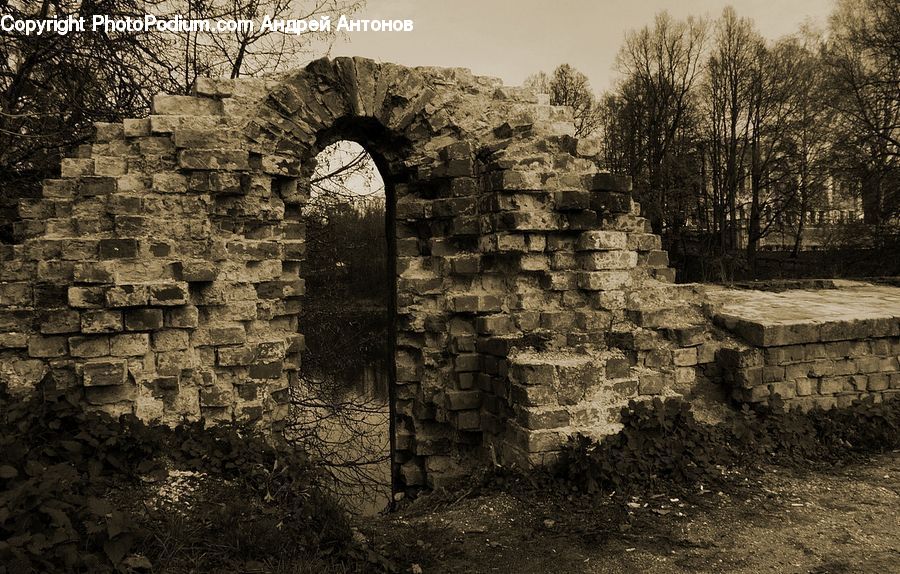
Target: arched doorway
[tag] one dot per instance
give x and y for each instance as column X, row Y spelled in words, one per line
column 342, row 406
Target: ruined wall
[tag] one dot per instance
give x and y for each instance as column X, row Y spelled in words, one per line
column 162, row 272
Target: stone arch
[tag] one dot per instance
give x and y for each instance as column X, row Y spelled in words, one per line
column 161, row 272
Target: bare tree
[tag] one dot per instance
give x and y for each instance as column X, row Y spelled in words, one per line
column 249, row 52
column 539, row 82
column 569, row 87
column 653, row 112
column 863, row 59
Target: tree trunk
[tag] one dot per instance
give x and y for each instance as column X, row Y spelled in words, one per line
column 753, row 226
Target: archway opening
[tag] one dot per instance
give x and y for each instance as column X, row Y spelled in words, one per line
column 344, row 397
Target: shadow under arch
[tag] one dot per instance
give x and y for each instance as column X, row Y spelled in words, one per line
column 388, row 152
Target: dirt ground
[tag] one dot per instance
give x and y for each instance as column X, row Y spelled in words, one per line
column 772, row 519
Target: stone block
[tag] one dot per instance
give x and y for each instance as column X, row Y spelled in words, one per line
column 685, row 375
column 235, row 356
column 105, row 373
column 13, row 341
column 462, row 400
column 101, row 321
column 134, row 128
column 87, row 347
column 93, row 272
column 686, row 357
column 129, row 344
column 46, row 347
column 270, row 370
column 187, row 317
column 96, row 186
column 60, row 321
column 806, row 387
column 831, row 385
column 143, row 319
column 169, row 294
column 76, row 167
column 611, row 182
column 606, row 260
column 127, row 296
column 212, row 160
column 602, row 241
column 652, row 383
column 604, row 280
column 110, row 166
column 86, row 297
column 118, row 248
column 170, row 340
column 185, row 106
column 468, row 420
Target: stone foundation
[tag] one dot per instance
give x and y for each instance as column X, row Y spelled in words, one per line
column 823, row 348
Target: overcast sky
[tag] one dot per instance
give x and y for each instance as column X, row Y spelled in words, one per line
column 514, row 38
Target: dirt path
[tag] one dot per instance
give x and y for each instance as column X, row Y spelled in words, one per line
column 781, row 520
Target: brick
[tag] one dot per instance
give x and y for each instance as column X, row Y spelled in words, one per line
column 86, row 297
column 97, row 346
column 602, row 241
column 169, row 294
column 183, row 317
column 105, row 373
column 170, row 340
column 271, row 370
column 463, row 400
column 618, row 368
column 685, row 375
column 604, row 280
column 235, row 356
column 164, row 104
column 202, row 159
column 60, row 321
column 607, row 260
column 45, row 347
column 127, row 296
column 13, row 341
column 101, row 321
column 685, row 357
column 118, row 248
column 652, row 383
column 143, row 319
column 129, row 345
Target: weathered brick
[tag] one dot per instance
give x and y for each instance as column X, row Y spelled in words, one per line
column 86, row 297
column 60, row 321
column 186, row 106
column 105, row 373
column 183, row 317
column 169, row 294
column 127, row 296
column 143, row 319
column 203, row 159
column 44, row 347
column 685, row 357
column 101, row 321
column 118, row 248
column 96, row 346
column 129, row 344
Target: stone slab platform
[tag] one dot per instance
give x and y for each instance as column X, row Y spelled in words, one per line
column 852, row 310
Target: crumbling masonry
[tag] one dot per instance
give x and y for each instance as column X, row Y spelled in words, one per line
column 163, row 270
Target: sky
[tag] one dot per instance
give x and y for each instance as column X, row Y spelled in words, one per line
column 511, row 39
